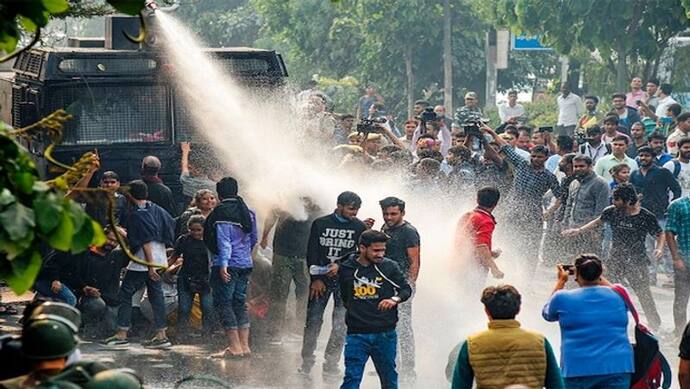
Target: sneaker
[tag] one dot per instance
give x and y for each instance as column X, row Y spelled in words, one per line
column 157, row 343
column 115, row 343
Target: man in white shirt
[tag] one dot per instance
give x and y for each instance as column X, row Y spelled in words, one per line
column 665, row 100
column 682, row 131
column 511, row 112
column 569, row 111
column 619, row 145
column 680, row 166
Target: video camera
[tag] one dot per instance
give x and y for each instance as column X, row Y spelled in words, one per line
column 428, row 115
column 369, row 126
column 472, row 123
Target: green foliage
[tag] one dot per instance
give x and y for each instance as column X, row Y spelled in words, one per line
column 344, row 92
column 33, row 214
column 32, row 15
column 543, row 112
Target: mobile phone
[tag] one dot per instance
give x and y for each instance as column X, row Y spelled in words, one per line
column 546, row 129
column 638, row 102
column 569, row 268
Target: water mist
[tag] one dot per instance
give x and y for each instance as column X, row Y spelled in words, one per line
column 261, row 142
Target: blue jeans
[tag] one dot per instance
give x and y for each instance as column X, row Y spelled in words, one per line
column 607, row 381
column 381, row 347
column 42, row 287
column 312, row 328
column 230, row 298
column 185, row 300
column 132, row 282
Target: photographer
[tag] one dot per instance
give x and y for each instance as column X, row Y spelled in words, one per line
column 429, row 123
column 471, row 107
column 595, row 351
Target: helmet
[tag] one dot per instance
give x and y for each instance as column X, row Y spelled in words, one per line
column 56, row 311
column 114, row 379
column 57, row 385
column 48, row 339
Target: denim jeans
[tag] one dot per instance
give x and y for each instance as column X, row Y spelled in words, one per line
column 132, row 282
column 315, row 310
column 681, row 286
column 381, row 347
column 65, row 295
column 230, row 298
column 185, row 300
column 284, row 271
column 607, row 381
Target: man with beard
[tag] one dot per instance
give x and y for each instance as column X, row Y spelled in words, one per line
column 680, row 167
column 403, row 248
column 588, row 196
column 630, row 224
column 531, row 183
column 657, row 141
column 553, row 241
column 654, row 183
column 331, row 237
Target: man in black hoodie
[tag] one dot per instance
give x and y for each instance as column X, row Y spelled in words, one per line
column 331, row 237
column 371, row 286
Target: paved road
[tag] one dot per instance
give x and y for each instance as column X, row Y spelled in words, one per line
column 441, row 320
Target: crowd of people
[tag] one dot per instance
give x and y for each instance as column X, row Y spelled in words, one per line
column 605, row 189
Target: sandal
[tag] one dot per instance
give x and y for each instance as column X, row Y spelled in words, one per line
column 226, row 354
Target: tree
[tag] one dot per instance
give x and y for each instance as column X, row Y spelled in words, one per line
column 620, row 33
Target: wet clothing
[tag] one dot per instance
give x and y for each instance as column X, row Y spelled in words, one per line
column 161, row 195
column 594, row 338
column 506, row 355
column 227, row 237
column 629, row 233
column 402, row 237
column 381, row 347
column 149, row 223
column 195, row 257
column 654, row 186
column 291, row 236
column 332, row 237
column 364, row 287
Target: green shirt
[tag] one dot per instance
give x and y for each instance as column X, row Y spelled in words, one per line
column 463, row 376
column 605, row 163
column 678, row 223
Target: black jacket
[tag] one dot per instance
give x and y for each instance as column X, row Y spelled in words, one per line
column 161, row 195
column 362, row 289
column 331, row 239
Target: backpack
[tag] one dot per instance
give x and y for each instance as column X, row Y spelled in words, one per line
column 650, row 363
column 676, row 168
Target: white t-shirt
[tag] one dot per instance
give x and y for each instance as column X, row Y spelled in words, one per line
column 505, row 111
column 663, row 105
column 159, row 257
column 569, row 109
column 683, row 177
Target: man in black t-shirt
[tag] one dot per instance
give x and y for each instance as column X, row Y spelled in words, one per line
column 403, row 248
column 289, row 264
column 630, row 224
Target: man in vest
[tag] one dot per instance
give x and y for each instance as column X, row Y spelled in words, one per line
column 505, row 354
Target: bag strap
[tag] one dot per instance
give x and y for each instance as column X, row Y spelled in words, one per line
column 624, row 294
column 666, row 372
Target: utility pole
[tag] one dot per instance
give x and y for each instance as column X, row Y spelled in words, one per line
column 447, row 60
column 491, row 71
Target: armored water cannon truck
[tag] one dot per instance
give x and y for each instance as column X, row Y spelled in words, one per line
column 121, row 96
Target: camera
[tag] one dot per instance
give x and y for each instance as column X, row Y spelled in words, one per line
column 369, row 126
column 472, row 123
column 428, row 115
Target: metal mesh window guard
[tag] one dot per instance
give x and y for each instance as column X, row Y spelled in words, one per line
column 109, row 114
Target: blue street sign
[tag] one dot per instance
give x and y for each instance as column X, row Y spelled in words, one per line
column 524, row 42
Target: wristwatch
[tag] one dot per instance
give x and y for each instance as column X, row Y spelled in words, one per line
column 397, row 299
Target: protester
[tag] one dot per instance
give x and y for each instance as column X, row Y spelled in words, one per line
column 505, row 354
column 531, row 183
column 109, row 181
column 403, row 247
column 202, row 204
column 569, row 111
column 588, row 195
column 657, row 142
column 371, row 96
column 677, row 230
column 158, row 192
column 511, row 111
column 682, row 131
column 331, row 237
column 639, row 139
column 149, row 229
column 591, row 117
column 627, row 258
column 680, row 166
column 636, row 93
column 59, row 277
column 191, row 259
column 289, row 264
column 595, row 148
column 611, row 129
column 193, row 167
column 593, row 319
column 371, row 286
column 654, row 183
column 627, row 115
column 230, row 235
column 684, row 365
column 479, row 225
column 619, row 145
